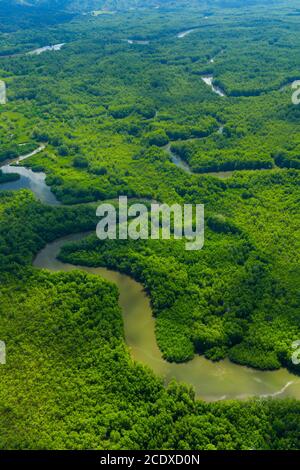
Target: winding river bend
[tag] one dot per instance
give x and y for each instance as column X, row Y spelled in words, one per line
column 35, row 181
column 212, row 381
column 183, row 165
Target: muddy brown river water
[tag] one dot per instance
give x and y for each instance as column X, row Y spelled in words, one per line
column 212, row 381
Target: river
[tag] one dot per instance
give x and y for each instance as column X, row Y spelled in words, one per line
column 35, row 181
column 40, row 50
column 209, row 80
column 183, row 34
column 212, row 381
column 139, row 42
column 183, row 165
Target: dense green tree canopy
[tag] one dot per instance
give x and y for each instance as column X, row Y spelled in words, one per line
column 122, row 97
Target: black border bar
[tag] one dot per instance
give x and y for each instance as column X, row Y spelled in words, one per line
column 134, row 459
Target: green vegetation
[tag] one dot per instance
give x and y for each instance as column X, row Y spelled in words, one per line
column 69, row 382
column 7, row 178
column 106, row 110
column 227, row 299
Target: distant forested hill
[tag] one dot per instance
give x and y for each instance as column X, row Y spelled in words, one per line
column 20, row 14
column 90, row 5
column 14, row 15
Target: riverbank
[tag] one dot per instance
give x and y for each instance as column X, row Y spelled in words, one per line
column 27, row 179
column 211, row 381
